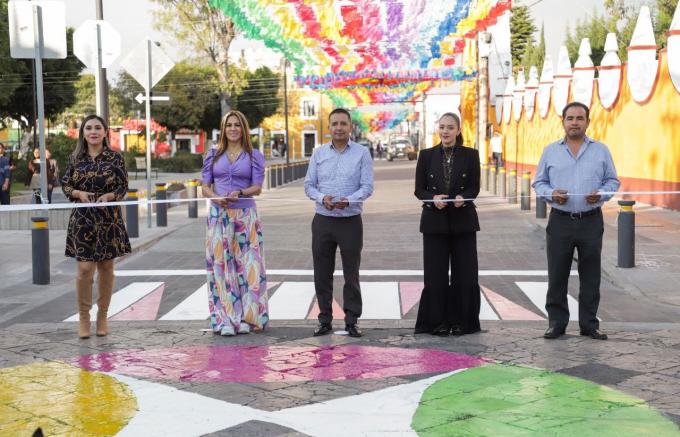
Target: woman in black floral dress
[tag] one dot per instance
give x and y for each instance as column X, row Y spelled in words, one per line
column 95, row 235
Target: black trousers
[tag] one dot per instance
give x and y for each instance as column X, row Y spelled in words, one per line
column 327, row 234
column 563, row 235
column 454, row 300
column 4, row 197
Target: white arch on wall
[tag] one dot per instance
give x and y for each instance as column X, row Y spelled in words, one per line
column 545, row 87
column 609, row 80
column 673, row 47
column 642, row 63
column 562, row 79
column 584, row 75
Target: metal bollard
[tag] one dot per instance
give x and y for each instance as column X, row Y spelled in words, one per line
column 272, row 176
column 132, row 214
column 626, row 225
column 266, row 183
column 502, row 189
column 525, row 203
column 512, row 186
column 161, row 208
column 279, row 175
column 492, row 180
column 192, row 193
column 541, row 207
column 40, row 249
column 485, row 177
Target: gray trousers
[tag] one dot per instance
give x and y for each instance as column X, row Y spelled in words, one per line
column 563, row 235
column 329, row 233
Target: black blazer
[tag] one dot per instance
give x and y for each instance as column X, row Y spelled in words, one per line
column 464, row 182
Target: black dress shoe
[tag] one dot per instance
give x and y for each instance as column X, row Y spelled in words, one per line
column 441, row 330
column 457, row 331
column 553, row 333
column 323, row 329
column 353, row 331
column 595, row 334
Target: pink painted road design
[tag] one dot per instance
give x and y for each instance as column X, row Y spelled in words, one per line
column 276, row 363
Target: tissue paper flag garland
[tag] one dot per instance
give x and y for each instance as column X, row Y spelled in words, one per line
column 334, row 44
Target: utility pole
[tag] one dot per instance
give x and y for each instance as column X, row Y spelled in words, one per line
column 102, row 91
column 285, row 111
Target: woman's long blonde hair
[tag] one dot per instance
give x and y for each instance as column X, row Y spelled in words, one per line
column 222, row 142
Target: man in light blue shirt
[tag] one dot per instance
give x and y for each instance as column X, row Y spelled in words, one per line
column 570, row 175
column 339, row 179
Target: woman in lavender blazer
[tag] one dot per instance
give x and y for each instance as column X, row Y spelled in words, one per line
column 237, row 283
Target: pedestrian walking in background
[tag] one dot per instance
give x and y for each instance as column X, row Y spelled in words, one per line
column 338, row 180
column 237, row 280
column 33, row 176
column 52, row 174
column 570, row 174
column 96, row 235
column 449, row 306
column 5, row 176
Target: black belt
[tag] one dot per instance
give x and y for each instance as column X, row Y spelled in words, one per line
column 576, row 215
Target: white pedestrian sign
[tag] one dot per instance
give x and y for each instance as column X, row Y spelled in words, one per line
column 135, row 63
column 85, row 45
column 147, row 64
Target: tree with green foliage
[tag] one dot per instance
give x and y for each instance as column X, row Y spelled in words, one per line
column 522, row 30
column 11, row 71
column 204, row 29
column 535, row 54
column 85, row 103
column 194, row 97
column 59, row 79
column 259, row 99
column 664, row 16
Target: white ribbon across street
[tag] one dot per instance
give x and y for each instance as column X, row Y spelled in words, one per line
column 55, row 206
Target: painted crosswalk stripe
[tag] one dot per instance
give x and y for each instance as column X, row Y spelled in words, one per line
column 380, row 300
column 486, row 312
column 123, row 298
column 194, row 307
column 291, row 301
column 145, row 308
column 507, row 309
column 536, row 292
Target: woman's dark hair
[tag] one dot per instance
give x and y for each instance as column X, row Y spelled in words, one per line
column 576, row 105
column 81, row 146
column 459, row 137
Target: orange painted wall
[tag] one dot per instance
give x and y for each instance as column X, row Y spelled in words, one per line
column 644, row 138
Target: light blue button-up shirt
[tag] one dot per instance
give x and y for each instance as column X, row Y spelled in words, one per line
column 346, row 174
column 592, row 170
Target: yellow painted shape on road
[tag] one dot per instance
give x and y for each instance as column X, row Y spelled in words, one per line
column 63, row 400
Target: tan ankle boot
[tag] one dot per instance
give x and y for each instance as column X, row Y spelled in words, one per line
column 104, row 291
column 84, row 295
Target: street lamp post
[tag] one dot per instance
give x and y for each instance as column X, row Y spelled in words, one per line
column 102, row 86
column 285, row 111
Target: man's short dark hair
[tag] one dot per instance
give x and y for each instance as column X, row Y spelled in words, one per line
column 576, row 105
column 340, row 111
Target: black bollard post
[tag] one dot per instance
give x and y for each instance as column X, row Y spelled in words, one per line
column 525, row 203
column 279, row 175
column 502, row 189
column 541, row 207
column 192, row 193
column 132, row 214
column 626, row 225
column 512, row 186
column 40, row 249
column 161, row 208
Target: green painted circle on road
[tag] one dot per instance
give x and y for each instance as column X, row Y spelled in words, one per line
column 502, row 400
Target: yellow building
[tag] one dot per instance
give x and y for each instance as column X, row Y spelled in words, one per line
column 307, row 123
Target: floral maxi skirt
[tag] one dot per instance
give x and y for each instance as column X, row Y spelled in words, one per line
column 237, row 282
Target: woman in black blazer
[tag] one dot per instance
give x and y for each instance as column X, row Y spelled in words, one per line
column 446, row 174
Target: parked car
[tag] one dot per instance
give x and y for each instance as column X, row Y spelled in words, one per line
column 401, row 148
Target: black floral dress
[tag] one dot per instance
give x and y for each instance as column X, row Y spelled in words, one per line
column 97, row 234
